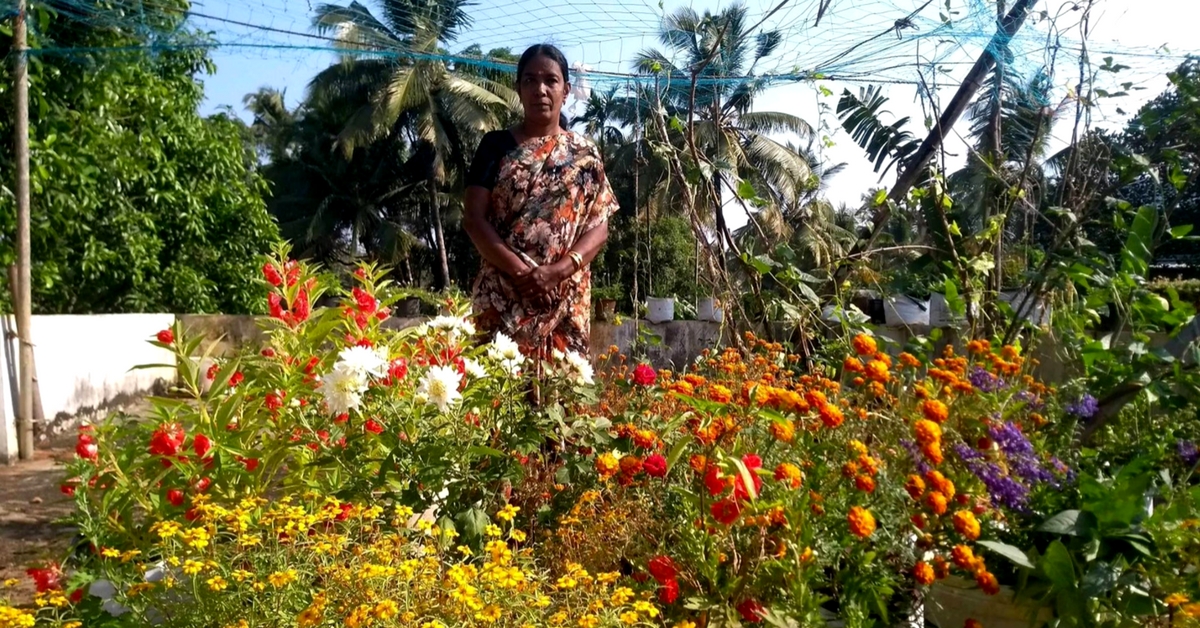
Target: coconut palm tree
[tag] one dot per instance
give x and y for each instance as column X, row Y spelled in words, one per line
column 720, row 53
column 410, row 87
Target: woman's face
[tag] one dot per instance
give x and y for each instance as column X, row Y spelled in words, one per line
column 542, row 90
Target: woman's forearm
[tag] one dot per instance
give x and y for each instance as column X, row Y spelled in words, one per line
column 484, row 236
column 589, row 244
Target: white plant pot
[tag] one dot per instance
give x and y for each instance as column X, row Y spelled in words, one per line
column 1027, row 307
column 708, row 310
column 951, row 602
column 940, row 314
column 904, row 311
column 660, row 310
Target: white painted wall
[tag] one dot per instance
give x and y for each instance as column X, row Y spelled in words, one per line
column 82, row 362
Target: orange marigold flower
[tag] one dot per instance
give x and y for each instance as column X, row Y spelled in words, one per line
column 1010, row 352
column 966, row 524
column 940, row 483
column 915, row 486
column 877, row 371
column 935, row 410
column 1191, row 610
column 682, row 388
column 852, row 365
column 631, row 465
column 923, row 573
column 783, row 431
column 963, row 557
column 831, row 415
column 865, row 483
column 885, row 358
column 919, row 521
column 695, row 380
column 789, row 474
column 877, row 389
column 869, row 465
column 941, row 567
column 1176, row 599
column 979, row 346
column 857, row 446
column 850, row 469
column 815, row 398
column 719, row 393
column 909, row 360
column 933, row 453
column 862, row 522
column 987, row 582
column 645, row 438
column 607, row 465
column 936, row 502
column 927, row 431
column 858, row 381
column 698, row 463
column 864, row 345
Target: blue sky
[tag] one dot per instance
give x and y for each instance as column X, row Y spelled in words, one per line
column 606, row 34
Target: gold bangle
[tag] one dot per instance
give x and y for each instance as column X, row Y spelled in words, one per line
column 576, row 259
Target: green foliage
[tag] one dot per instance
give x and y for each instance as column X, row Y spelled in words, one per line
column 138, row 203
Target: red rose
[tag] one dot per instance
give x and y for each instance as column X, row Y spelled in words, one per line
column 202, row 485
column 373, row 426
column 236, row 379
column 48, row 578
column 669, row 591
column 662, row 568
column 87, row 451
column 398, row 369
column 175, row 497
column 271, row 274
column 751, row 611
column 166, row 336
column 752, row 462
column 167, row 439
column 644, row 375
column 655, row 465
column 192, row 514
column 201, row 444
column 726, row 511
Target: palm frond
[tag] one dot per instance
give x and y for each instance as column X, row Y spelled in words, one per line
column 771, row 122
column 354, row 27
column 886, row 144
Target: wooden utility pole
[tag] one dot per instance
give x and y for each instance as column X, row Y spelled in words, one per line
column 22, row 303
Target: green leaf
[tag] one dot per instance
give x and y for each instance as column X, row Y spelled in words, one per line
column 480, row 450
column 1181, row 231
column 1058, row 566
column 880, row 197
column 472, row 522
column 747, row 477
column 1137, row 253
column 745, row 190
column 1010, row 552
column 676, row 451
column 1062, row 523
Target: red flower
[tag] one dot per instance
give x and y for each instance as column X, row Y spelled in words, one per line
column 166, row 336
column 292, row 270
column 752, row 462
column 398, row 369
column 250, row 463
column 669, row 591
column 655, row 466
column 275, row 305
column 346, row 509
column 373, row 426
column 76, row 596
column 213, row 369
column 87, row 451
column 167, row 439
column 48, row 578
column 662, row 568
column 271, row 274
column 714, row 481
column 236, row 379
column 301, row 309
column 274, row 400
column 364, row 301
column 201, row 444
column 644, row 375
column 726, row 511
column 360, row 273
column 175, row 497
column 67, row 489
column 268, row 352
column 751, row 611
column 341, row 418
column 202, row 485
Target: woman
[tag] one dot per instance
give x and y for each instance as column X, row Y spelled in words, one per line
column 537, row 208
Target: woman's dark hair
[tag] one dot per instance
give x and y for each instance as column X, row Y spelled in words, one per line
column 549, row 51
column 552, row 53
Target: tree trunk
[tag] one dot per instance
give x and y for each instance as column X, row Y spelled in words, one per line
column 437, row 230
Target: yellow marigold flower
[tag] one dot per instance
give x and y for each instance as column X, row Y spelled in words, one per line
column 241, row 575
column 241, row 623
column 607, row 465
column 541, row 601
column 281, row 579
column 719, row 393
column 386, row 609
column 621, row 596
column 196, row 537
column 862, row 522
column 16, row 618
column 309, row 617
column 558, row 618
column 966, row 524
column 628, row 618
column 110, row 552
column 216, row 583
column 1176, row 599
column 783, row 431
column 192, row 567
column 166, row 529
column 686, row 624
column 789, row 474
column 73, row 624
column 130, row 555
column 402, row 511
column 517, row 535
column 11, row 582
column 566, row 582
column 645, row 608
column 492, row 530
column 424, row 525
column 864, row 345
column 489, row 614
column 1191, row 610
column 433, row 624
column 935, row 410
column 508, row 512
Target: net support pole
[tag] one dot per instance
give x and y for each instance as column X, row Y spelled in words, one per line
column 22, row 304
column 908, row 177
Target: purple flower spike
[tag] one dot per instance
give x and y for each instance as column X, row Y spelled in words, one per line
column 1187, row 452
column 1085, row 408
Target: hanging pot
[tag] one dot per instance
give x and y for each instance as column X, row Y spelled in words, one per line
column 708, row 309
column 905, row 311
column 660, row 310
